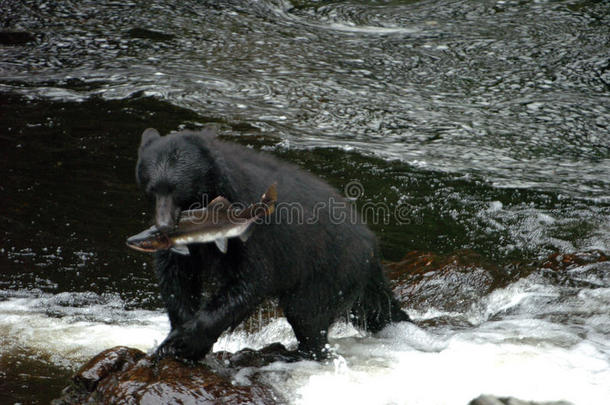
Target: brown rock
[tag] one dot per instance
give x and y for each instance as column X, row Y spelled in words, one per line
column 123, row 375
column 454, row 282
column 560, row 261
column 107, row 362
column 450, row 282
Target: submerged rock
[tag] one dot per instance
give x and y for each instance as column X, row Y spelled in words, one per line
column 124, row 375
column 450, row 283
column 454, row 282
column 491, row 400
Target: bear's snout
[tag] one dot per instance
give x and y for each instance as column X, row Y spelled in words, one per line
column 166, row 213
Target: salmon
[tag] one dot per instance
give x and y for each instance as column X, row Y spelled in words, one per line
column 217, row 223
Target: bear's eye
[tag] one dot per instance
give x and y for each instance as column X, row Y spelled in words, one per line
column 174, row 156
column 161, row 187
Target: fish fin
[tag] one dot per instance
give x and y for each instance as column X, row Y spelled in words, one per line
column 219, row 201
column 221, row 244
column 246, row 234
column 180, row 249
column 270, row 198
column 270, row 195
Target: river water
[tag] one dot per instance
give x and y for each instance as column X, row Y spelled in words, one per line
column 486, row 123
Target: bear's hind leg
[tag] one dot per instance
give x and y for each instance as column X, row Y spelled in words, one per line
column 310, row 320
column 377, row 307
column 312, row 335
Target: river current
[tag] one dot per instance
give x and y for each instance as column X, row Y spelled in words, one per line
column 482, row 125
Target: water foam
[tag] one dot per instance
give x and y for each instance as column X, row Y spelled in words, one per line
column 411, row 366
column 513, row 348
column 49, row 328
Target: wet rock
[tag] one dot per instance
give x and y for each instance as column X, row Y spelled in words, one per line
column 450, row 283
column 123, row 375
column 107, row 362
column 578, row 270
column 259, row 358
column 560, row 262
column 491, row 400
column 454, row 282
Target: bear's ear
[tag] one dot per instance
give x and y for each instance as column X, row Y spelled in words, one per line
column 148, row 136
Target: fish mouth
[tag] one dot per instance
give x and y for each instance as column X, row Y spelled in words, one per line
column 149, row 241
column 139, row 248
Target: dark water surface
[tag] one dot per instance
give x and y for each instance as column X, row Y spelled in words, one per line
column 482, row 125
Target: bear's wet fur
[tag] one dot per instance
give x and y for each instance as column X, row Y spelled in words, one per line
column 310, row 253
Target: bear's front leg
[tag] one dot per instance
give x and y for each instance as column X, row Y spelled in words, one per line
column 194, row 338
column 190, row 341
column 180, row 284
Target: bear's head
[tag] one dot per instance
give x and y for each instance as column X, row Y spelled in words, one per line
column 176, row 172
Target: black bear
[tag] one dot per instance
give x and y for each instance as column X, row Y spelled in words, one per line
column 310, row 253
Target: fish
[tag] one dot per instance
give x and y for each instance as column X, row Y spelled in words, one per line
column 217, row 223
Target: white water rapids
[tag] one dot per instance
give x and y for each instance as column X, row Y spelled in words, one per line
column 529, row 340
